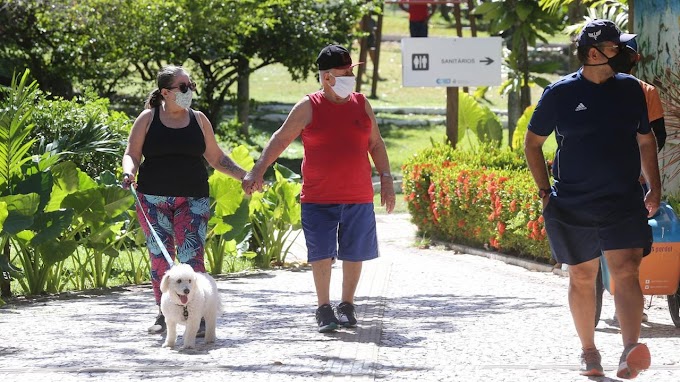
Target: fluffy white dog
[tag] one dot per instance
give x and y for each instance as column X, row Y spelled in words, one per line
column 187, row 297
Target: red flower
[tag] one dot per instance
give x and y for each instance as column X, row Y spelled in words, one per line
column 501, row 228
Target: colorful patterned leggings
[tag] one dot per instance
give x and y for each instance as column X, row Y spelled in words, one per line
column 181, row 224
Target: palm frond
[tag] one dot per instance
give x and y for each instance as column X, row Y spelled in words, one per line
column 15, row 116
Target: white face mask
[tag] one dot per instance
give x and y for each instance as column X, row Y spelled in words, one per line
column 183, row 100
column 344, row 85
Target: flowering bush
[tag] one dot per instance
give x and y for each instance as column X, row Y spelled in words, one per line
column 483, row 199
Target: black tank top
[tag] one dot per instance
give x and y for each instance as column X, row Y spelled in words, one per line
column 173, row 160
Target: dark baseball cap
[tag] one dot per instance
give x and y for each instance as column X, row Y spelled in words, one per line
column 334, row 57
column 597, row 31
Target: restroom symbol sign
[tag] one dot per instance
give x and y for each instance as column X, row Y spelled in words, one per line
column 420, row 61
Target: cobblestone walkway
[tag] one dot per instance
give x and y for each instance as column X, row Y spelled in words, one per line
column 424, row 315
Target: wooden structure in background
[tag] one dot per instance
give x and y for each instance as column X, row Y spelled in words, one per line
column 451, row 92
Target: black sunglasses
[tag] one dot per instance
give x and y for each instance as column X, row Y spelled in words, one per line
column 184, row 87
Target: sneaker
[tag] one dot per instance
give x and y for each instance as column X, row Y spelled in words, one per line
column 346, row 315
column 326, row 319
column 591, row 363
column 635, row 358
column 201, row 329
column 159, row 326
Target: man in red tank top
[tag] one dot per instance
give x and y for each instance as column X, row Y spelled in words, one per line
column 419, row 13
column 339, row 132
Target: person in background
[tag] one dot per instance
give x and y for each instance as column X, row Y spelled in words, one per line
column 419, row 13
column 172, row 180
column 596, row 206
column 654, row 113
column 339, row 132
column 654, row 106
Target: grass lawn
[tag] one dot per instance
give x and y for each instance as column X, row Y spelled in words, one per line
column 273, row 84
column 267, row 83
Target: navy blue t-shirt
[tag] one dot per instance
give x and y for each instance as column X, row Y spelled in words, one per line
column 597, row 163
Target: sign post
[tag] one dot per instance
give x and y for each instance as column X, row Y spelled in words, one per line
column 451, row 63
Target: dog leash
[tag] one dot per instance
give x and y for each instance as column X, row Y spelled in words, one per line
column 153, row 231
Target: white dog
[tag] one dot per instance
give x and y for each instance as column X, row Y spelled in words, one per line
column 187, row 297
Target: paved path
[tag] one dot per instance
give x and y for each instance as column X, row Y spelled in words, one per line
column 424, row 315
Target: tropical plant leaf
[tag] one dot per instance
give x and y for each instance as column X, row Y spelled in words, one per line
column 21, row 209
column 522, row 126
column 39, row 183
column 50, row 225
column 54, row 251
column 67, row 180
column 88, row 205
column 116, row 200
column 15, row 113
column 470, row 113
column 3, row 214
column 237, row 223
column 489, row 128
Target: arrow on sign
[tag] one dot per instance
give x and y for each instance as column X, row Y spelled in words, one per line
column 488, row 61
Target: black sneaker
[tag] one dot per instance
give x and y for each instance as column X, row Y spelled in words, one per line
column 159, row 326
column 326, row 319
column 201, row 329
column 346, row 315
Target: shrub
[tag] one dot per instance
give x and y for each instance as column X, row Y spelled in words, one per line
column 83, row 130
column 484, row 200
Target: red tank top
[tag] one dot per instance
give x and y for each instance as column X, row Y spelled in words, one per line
column 335, row 165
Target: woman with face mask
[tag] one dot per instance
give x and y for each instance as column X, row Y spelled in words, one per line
column 172, row 179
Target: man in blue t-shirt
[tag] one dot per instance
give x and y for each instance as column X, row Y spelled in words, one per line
column 596, row 204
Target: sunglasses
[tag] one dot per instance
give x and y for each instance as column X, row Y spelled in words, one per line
column 184, row 87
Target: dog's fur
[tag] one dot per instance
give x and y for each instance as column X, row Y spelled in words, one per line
column 182, row 287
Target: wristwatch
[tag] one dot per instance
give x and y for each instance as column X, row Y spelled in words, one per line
column 543, row 192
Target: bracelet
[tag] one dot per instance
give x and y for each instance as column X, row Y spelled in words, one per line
column 385, row 175
column 128, row 175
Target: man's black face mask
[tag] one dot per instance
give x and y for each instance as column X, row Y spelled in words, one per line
column 622, row 62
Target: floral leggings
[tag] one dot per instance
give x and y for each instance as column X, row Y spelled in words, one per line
column 181, row 224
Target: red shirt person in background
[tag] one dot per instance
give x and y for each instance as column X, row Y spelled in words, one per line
column 418, row 15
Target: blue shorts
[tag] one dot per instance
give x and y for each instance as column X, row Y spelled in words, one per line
column 577, row 236
column 345, row 231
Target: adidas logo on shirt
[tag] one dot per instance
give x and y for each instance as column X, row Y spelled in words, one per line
column 580, row 107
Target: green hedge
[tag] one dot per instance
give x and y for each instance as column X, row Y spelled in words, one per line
column 486, row 198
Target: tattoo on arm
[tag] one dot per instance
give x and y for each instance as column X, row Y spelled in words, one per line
column 228, row 164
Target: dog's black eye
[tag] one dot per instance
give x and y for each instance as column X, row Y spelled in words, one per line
column 179, row 281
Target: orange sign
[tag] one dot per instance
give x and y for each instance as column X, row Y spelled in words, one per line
column 659, row 271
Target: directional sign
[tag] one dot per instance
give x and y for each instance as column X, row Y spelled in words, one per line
column 451, row 62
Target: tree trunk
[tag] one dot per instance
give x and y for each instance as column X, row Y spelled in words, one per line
column 525, row 92
column 5, row 290
column 452, row 115
column 243, row 95
column 575, row 15
column 514, row 112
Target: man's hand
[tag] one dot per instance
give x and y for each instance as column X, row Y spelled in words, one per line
column 251, row 183
column 652, row 201
column 387, row 196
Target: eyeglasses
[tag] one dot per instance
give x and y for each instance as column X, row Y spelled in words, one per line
column 184, row 87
